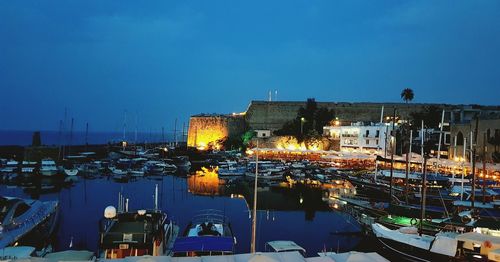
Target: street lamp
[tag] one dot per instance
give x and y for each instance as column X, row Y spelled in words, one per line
column 302, row 120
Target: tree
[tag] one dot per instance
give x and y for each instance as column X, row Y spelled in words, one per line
column 407, row 95
column 309, row 118
column 431, row 116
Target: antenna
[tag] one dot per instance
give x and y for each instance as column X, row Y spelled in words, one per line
column 175, row 132
column 382, row 115
column 86, row 135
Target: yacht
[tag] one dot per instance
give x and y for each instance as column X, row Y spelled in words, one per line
column 131, row 234
column 231, row 169
column 48, row 167
column 10, row 166
column 28, row 167
column 208, row 234
column 26, row 222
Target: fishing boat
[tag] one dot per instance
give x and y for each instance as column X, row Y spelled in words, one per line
column 27, row 222
column 48, row 167
column 208, row 234
column 131, row 234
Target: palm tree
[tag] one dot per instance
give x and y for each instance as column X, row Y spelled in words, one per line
column 407, row 95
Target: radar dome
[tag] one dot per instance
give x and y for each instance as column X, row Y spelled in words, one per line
column 110, row 212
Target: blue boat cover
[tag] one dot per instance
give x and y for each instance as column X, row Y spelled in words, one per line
column 203, row 243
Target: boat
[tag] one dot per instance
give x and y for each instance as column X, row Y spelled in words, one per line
column 119, row 174
column 71, row 255
column 182, row 162
column 28, row 167
column 71, row 172
column 408, row 244
column 17, row 252
column 136, row 172
column 231, row 169
column 10, row 166
column 27, row 222
column 48, row 167
column 208, row 234
column 131, row 234
column 285, row 246
column 265, row 175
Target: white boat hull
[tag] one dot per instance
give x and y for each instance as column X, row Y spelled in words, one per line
column 50, row 172
column 71, row 172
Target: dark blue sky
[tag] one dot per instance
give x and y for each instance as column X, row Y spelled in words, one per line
column 166, row 59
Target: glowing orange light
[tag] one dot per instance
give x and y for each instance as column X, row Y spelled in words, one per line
column 204, row 182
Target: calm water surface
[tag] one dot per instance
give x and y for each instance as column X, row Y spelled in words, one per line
column 82, row 206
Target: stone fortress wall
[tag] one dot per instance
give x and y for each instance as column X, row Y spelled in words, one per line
column 205, row 128
column 272, row 115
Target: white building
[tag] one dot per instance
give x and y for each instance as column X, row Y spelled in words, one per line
column 263, row 133
column 359, row 136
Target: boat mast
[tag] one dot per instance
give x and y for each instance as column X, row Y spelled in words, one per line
column 156, row 197
column 422, row 145
column 60, row 141
column 70, row 136
column 408, row 159
column 473, row 196
column 440, row 136
column 254, row 213
column 175, row 133
column 393, row 138
column 484, row 168
column 464, row 170
column 86, row 135
column 423, row 193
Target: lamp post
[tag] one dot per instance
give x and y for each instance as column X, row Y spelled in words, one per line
column 302, row 120
column 253, row 247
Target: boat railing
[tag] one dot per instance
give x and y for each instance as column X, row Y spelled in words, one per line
column 210, row 215
column 121, row 237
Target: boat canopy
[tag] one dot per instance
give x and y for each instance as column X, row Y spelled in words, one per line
column 281, row 246
column 353, row 256
column 477, row 238
column 204, row 244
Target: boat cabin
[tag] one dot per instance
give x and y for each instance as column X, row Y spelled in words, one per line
column 133, row 234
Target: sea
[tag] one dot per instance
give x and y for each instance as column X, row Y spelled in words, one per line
column 289, row 213
column 25, row 138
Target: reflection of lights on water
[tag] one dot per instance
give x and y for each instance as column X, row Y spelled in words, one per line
column 205, row 182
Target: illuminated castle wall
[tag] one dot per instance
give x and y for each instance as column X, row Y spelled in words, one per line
column 205, row 130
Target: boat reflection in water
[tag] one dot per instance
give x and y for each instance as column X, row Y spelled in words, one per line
column 205, row 182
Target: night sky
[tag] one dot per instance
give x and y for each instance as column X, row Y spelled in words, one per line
column 161, row 60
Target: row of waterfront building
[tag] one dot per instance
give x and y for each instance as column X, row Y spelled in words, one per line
column 361, row 126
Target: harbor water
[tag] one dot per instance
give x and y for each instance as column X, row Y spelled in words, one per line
column 287, row 214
